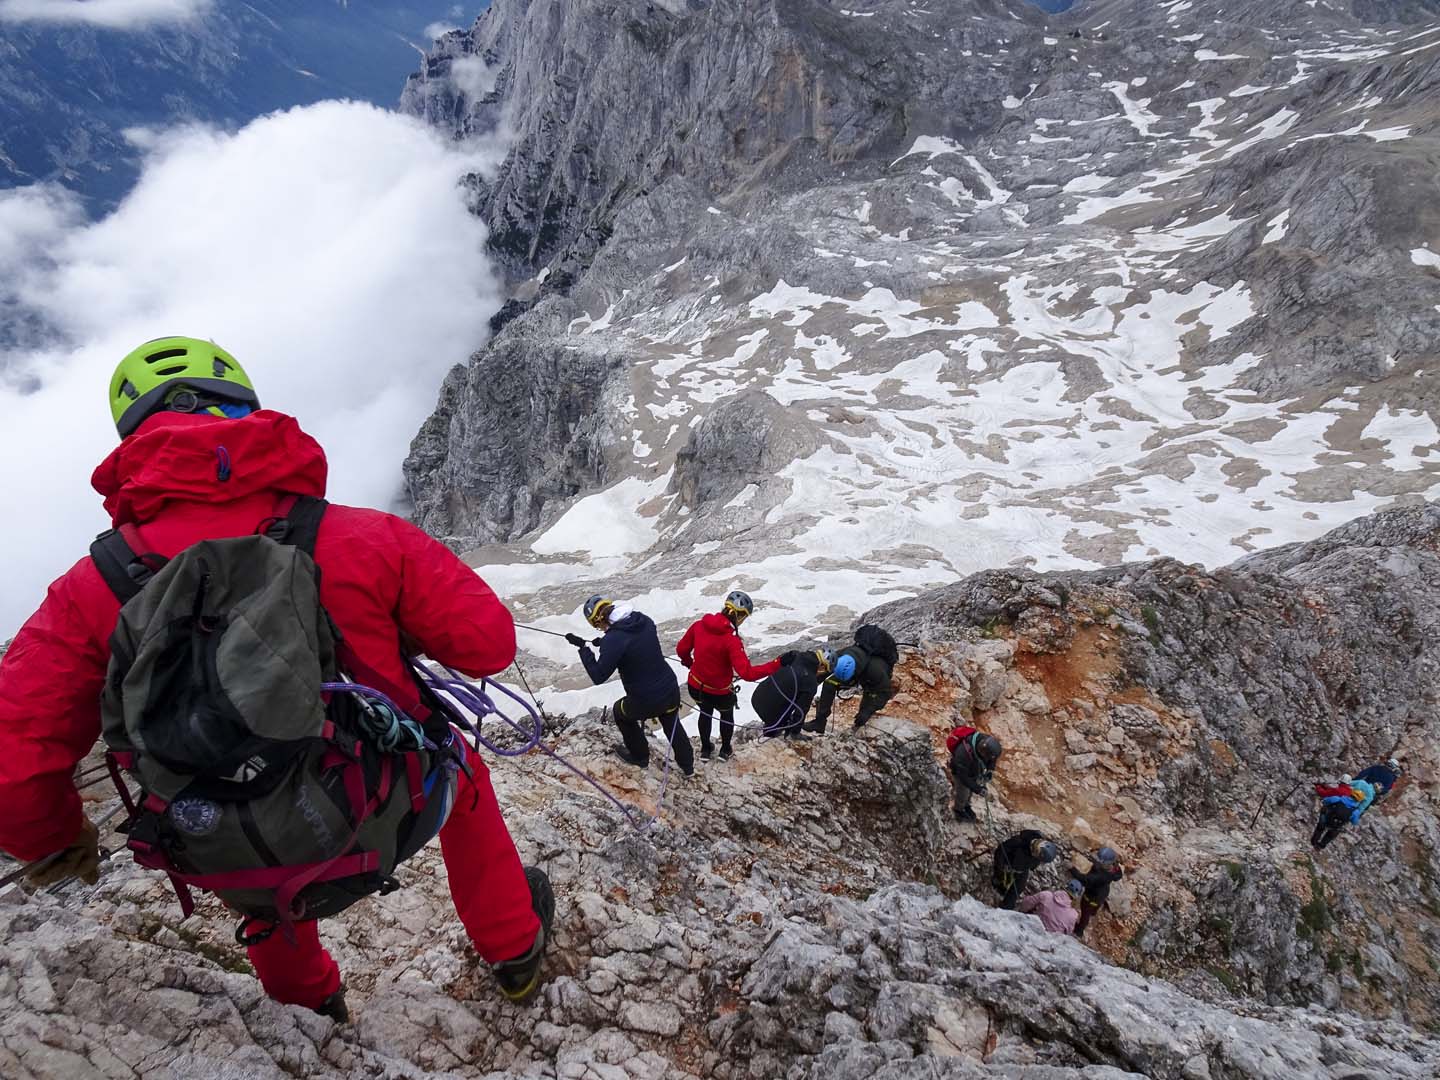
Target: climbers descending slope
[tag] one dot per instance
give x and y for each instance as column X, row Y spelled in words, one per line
column 836, row 301
column 813, row 911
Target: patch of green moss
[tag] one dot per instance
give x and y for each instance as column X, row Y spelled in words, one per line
column 1152, row 620
column 1316, row 916
column 1236, row 871
column 1227, row 979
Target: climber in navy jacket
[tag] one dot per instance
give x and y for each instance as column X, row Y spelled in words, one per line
column 631, row 646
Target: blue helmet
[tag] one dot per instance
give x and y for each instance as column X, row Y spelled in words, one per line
column 845, row 668
column 1107, row 856
column 1074, row 887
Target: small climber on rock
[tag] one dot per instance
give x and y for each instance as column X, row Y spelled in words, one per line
column 1105, row 870
column 873, row 659
column 1345, row 803
column 783, row 698
column 1056, row 908
column 631, row 646
column 715, row 656
column 973, row 756
column 1013, row 861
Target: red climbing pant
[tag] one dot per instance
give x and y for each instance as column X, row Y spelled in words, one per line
column 487, row 884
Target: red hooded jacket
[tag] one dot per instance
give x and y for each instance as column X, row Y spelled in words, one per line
column 714, row 653
column 381, row 577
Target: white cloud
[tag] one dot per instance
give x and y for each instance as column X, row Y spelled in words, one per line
column 111, row 14
column 472, row 77
column 439, row 29
column 329, row 248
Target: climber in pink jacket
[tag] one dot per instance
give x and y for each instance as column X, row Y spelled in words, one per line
column 1056, row 908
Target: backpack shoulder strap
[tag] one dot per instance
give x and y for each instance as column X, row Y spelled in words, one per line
column 298, row 525
column 125, row 571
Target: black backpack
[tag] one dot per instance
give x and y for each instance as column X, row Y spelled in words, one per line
column 266, row 774
column 878, row 642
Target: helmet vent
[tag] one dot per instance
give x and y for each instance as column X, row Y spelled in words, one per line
column 174, row 369
column 220, row 368
column 166, row 354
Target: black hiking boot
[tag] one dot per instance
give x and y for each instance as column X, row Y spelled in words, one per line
column 334, row 1007
column 813, row 725
column 519, row 978
column 630, row 759
column 797, row 736
column 706, row 749
column 967, row 814
column 726, row 753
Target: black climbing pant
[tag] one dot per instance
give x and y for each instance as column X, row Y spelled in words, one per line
column 709, row 704
column 963, row 795
column 1009, row 884
column 1088, row 908
column 631, row 720
column 1332, row 819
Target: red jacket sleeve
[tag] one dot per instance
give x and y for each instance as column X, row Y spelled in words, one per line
column 447, row 609
column 50, row 681
column 686, row 649
column 740, row 661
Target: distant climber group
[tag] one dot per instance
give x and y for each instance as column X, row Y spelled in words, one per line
column 715, row 656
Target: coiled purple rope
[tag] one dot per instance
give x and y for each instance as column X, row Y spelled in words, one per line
column 475, row 699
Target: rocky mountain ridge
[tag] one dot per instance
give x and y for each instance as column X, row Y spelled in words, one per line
column 812, row 910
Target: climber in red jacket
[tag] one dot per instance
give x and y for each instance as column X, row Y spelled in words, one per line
column 200, row 460
column 715, row 655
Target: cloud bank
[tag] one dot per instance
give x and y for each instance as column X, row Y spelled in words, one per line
column 109, row 14
column 329, row 248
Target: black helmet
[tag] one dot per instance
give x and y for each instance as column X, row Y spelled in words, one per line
column 739, row 606
column 597, row 610
column 987, row 749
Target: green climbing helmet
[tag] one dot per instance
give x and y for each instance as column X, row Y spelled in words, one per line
column 144, row 381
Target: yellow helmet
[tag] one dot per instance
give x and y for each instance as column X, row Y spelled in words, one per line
column 146, row 379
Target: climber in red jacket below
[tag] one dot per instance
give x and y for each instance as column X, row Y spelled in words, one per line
column 199, row 459
column 715, row 655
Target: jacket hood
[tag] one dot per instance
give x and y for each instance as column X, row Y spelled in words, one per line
column 717, row 624
column 630, row 622
column 185, row 457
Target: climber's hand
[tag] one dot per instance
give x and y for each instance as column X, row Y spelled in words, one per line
column 81, row 858
column 576, row 640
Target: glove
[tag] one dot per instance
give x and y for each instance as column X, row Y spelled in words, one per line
column 788, row 658
column 597, row 641
column 80, row 859
column 576, row 640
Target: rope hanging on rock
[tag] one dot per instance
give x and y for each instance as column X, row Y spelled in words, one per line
column 477, row 700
